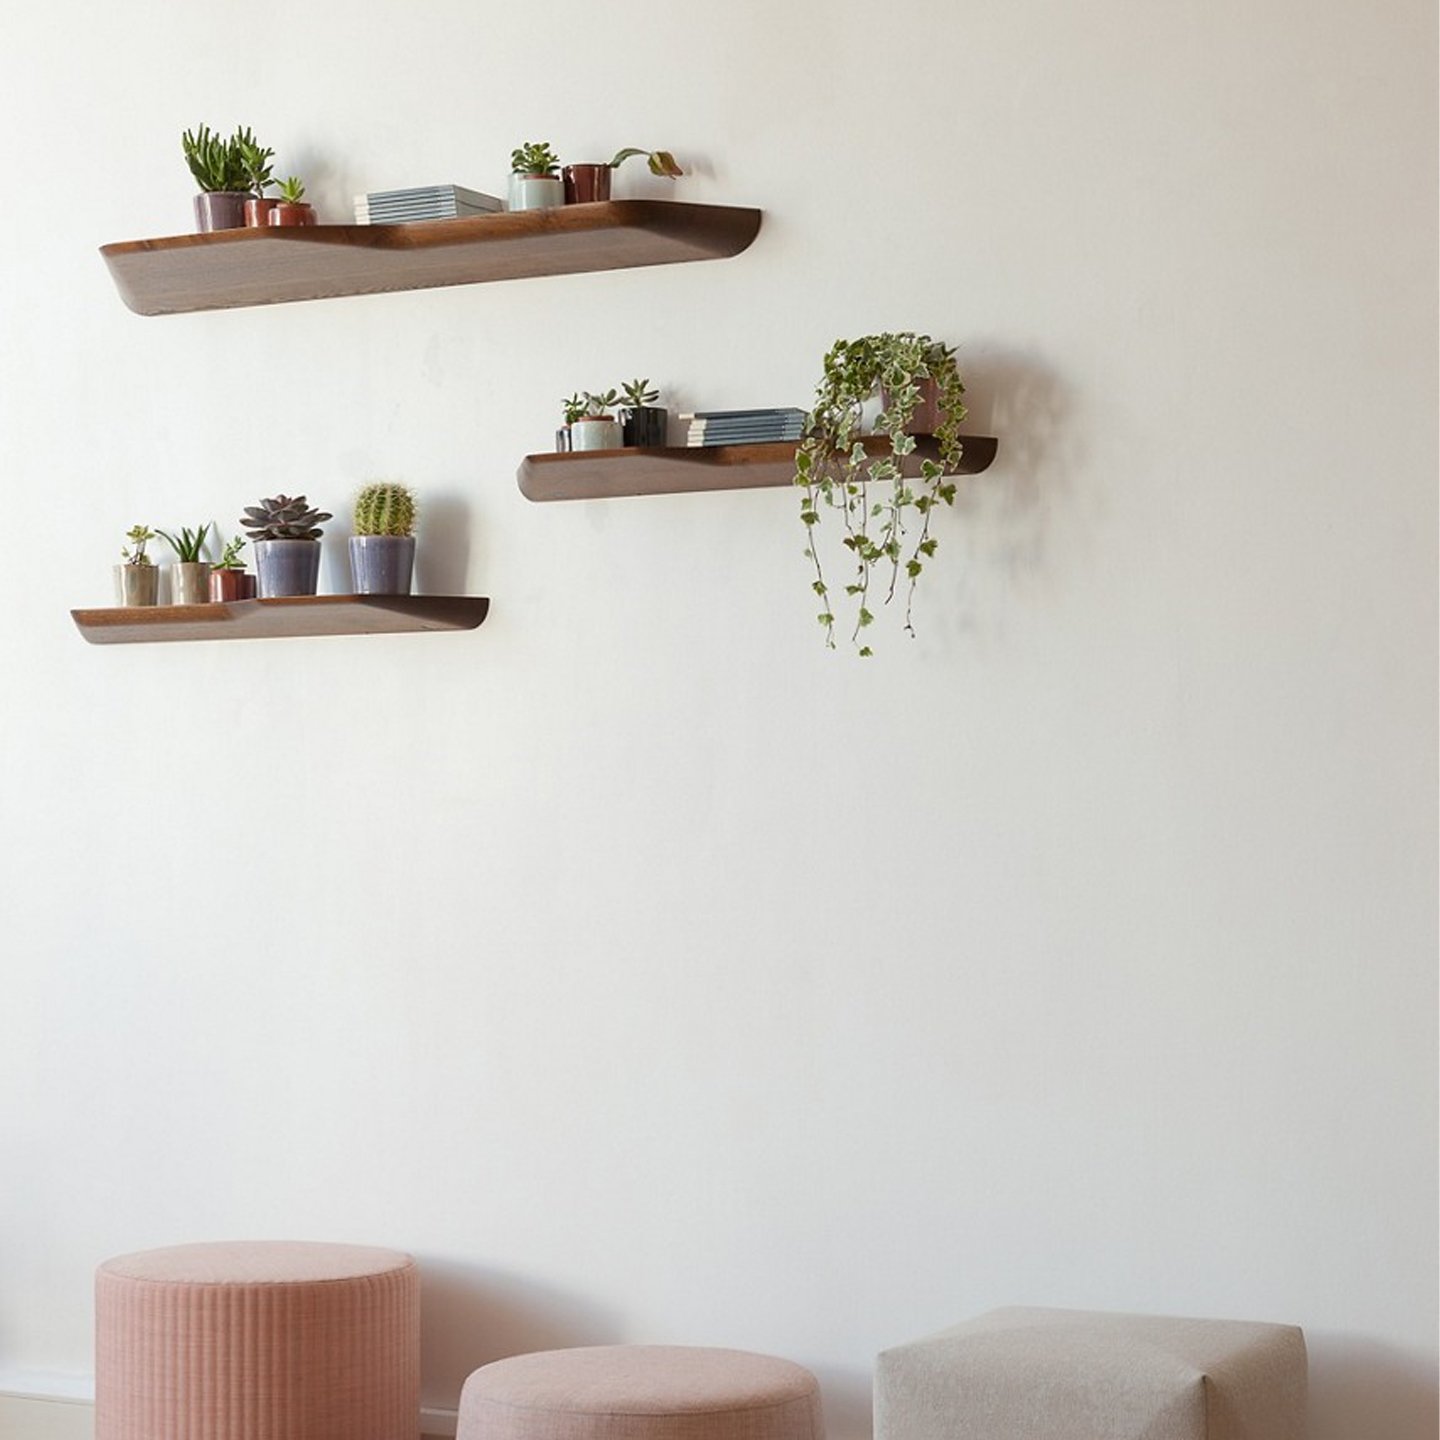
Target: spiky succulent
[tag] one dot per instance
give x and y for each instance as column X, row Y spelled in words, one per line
column 255, row 158
column 283, row 518
column 188, row 545
column 215, row 163
column 385, row 508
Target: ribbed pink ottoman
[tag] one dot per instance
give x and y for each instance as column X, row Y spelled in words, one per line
column 258, row 1340
column 641, row 1392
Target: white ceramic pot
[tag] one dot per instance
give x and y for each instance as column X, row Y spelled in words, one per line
column 592, row 433
column 536, row 192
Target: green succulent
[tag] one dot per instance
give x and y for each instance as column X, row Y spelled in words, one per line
column 230, row 556
column 661, row 162
column 283, row 518
column 574, row 408
column 138, row 536
column 189, row 545
column 534, row 158
column 216, row 164
column 599, row 404
column 292, row 191
column 256, row 161
column 638, row 394
column 385, row 508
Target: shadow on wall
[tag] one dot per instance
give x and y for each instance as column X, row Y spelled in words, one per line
column 442, row 549
column 470, row 1316
column 1360, row 1390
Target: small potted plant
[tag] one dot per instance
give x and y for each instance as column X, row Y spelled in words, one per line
column 644, row 423
column 137, row 581
column 382, row 549
column 534, row 184
column 291, row 208
column 596, row 428
column 287, row 534
column 573, row 409
column 589, row 182
column 835, row 472
column 255, row 160
column 220, row 174
column 190, row 575
column 229, row 580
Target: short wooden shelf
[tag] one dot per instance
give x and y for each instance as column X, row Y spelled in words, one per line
column 291, row 615
column 228, row 269
column 677, row 470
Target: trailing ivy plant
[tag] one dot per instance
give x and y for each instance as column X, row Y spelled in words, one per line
column 886, row 530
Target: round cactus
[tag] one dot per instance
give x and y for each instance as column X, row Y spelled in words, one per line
column 385, row 508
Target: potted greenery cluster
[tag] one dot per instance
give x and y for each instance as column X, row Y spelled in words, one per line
column 382, row 549
column 590, row 425
column 218, row 167
column 137, row 581
column 229, row 580
column 534, row 184
column 190, row 575
column 883, row 514
column 286, row 534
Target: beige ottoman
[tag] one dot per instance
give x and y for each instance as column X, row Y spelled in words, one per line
column 641, row 1392
column 272, row 1340
column 1074, row 1375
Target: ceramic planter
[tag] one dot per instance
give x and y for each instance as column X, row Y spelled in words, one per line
column 284, row 212
column 586, row 183
column 257, row 211
column 287, row 567
column 536, row 192
column 382, row 564
column 646, row 425
column 190, row 583
column 220, row 210
column 137, row 584
column 595, row 432
column 232, row 585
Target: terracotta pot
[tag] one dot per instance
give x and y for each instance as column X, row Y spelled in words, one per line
column 137, row 584
column 232, row 585
column 257, row 211
column 220, row 210
column 285, row 213
column 586, row 183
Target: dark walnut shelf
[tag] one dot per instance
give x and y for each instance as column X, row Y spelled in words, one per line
column 228, row 269
column 678, row 470
column 291, row 615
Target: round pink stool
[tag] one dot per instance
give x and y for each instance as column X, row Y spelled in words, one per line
column 258, row 1340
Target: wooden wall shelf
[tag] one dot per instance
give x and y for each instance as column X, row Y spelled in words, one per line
column 677, row 470
column 228, row 269
column 292, row 615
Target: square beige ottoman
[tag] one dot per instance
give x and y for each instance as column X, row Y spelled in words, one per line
column 1024, row 1374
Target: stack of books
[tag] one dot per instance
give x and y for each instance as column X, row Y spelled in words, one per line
column 743, row 427
column 426, row 202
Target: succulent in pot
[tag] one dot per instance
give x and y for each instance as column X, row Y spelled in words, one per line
column 255, row 160
column 596, row 428
column 645, row 423
column 286, row 533
column 190, row 575
column 590, row 182
column 572, row 408
column 382, row 549
column 219, row 171
column 229, row 580
column 291, row 208
column 137, row 581
column 534, row 185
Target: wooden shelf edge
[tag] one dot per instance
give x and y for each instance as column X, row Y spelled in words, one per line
column 282, row 617
column 681, row 470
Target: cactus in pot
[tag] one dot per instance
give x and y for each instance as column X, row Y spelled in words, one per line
column 286, row 534
column 382, row 549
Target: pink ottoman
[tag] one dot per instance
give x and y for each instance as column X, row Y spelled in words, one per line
column 641, row 1392
column 258, row 1340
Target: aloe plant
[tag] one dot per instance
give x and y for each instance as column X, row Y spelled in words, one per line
column 661, row 162
column 215, row 163
column 534, row 158
column 292, row 191
column 284, row 518
column 189, row 545
column 385, row 508
column 138, row 536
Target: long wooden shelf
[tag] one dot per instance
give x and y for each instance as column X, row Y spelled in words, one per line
column 227, row 269
column 677, row 470
column 290, row 615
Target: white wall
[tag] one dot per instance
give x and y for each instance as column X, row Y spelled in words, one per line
column 649, row 972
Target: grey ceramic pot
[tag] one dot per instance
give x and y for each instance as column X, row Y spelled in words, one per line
column 382, row 564
column 137, row 584
column 220, row 210
column 287, row 567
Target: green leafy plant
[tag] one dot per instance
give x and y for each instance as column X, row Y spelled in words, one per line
column 216, row 164
column 292, row 191
column 254, row 160
column 638, row 394
column 836, row 472
column 139, row 536
column 661, row 162
column 230, row 555
column 597, row 405
column 534, row 158
column 574, row 408
column 283, row 518
column 189, row 545
column 385, row 508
